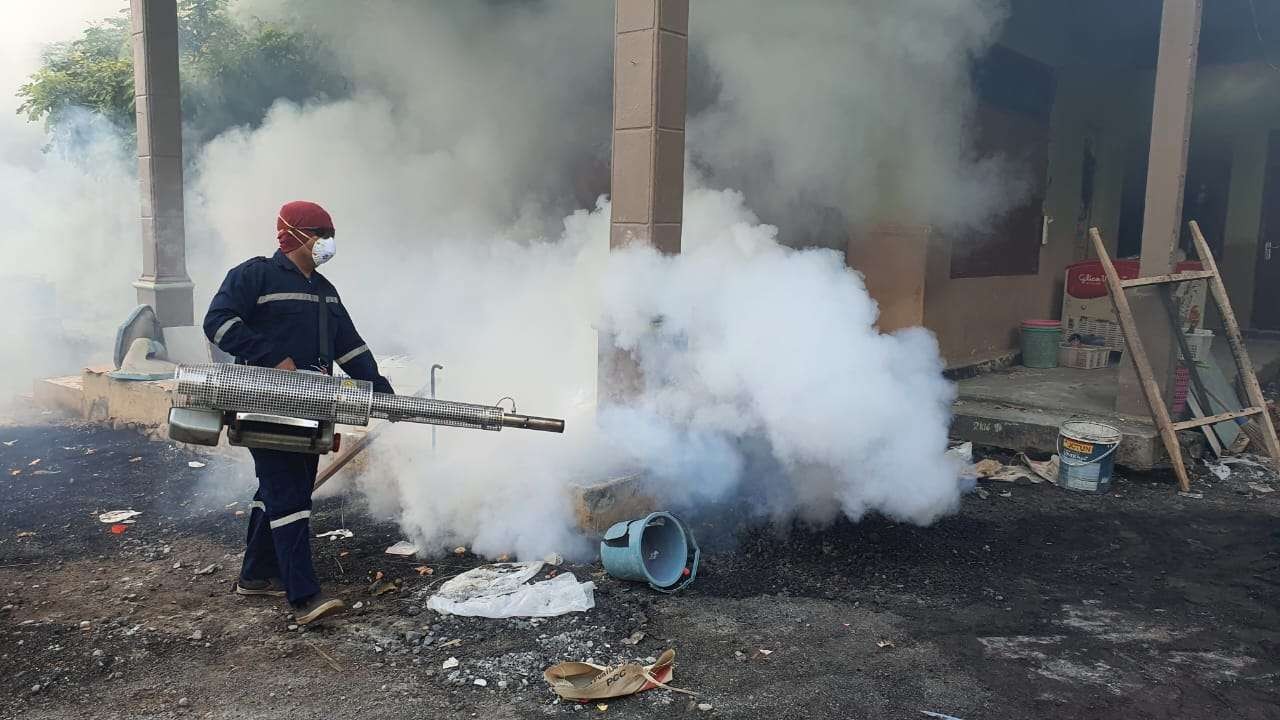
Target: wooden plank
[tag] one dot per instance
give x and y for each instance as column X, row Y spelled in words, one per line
column 1247, row 376
column 1167, row 279
column 1201, row 422
column 1150, row 389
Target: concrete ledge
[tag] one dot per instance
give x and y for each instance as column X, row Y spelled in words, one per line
column 1020, row 428
column 142, row 403
column 60, row 394
column 598, row 506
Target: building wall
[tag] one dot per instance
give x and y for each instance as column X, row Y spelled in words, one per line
column 977, row 319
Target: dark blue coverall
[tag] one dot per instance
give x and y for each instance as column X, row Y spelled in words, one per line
column 266, row 311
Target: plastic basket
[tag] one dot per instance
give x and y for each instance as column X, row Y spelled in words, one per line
column 1083, row 357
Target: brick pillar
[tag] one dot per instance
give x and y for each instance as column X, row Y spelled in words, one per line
column 651, row 51
column 164, row 284
column 1166, row 180
column 650, row 61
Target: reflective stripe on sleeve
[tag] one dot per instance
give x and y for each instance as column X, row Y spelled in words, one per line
column 222, row 331
column 290, row 518
column 257, row 505
column 352, row 355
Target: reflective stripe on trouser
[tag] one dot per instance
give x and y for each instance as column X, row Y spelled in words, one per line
column 279, row 540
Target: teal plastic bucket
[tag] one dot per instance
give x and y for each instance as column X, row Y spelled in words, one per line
column 1087, row 453
column 1040, row 341
column 657, row 549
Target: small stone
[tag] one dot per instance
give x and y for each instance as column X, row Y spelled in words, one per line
column 480, row 682
column 183, row 702
column 502, row 684
column 177, row 565
column 428, row 639
column 705, row 707
column 413, row 610
column 35, row 688
column 413, row 637
column 207, row 570
column 450, row 664
column 84, row 625
column 197, row 635
column 359, row 604
column 97, row 653
column 293, row 627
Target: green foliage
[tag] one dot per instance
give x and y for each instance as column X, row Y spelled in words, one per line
column 231, row 72
column 94, row 72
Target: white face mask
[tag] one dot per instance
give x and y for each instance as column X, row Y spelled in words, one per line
column 323, row 250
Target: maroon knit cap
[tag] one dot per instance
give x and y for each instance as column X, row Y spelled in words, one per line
column 297, row 216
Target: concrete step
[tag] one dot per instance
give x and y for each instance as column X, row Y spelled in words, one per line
column 1019, row 428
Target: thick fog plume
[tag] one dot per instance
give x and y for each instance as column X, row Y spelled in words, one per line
column 463, row 173
column 831, row 112
column 70, row 245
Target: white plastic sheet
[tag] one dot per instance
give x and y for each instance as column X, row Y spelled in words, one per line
column 503, row 590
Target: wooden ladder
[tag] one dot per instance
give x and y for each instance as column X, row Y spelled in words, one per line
column 1150, row 388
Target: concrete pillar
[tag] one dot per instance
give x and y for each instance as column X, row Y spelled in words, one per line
column 650, row 61
column 650, row 71
column 1166, row 180
column 164, row 284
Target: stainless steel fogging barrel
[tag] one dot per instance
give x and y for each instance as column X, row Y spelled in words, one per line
column 267, row 399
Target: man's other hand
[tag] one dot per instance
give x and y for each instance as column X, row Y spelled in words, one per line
column 287, row 364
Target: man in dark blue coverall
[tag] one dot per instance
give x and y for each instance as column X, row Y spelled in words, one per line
column 268, row 313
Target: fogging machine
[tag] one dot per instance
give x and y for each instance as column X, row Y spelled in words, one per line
column 296, row 411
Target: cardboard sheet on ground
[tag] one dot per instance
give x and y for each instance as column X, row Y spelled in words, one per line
column 581, row 681
column 503, row 590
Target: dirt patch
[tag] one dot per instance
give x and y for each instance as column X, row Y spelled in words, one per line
column 1044, row 604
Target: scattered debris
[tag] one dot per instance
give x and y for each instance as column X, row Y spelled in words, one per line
column 47, row 472
column 15, row 473
column 34, row 463
column 357, row 606
column 450, row 664
column 403, row 548
column 939, row 716
column 1261, row 488
column 885, row 644
column 635, row 638
column 705, row 707
column 85, row 625
column 580, row 682
column 423, row 570
column 382, row 586
column 88, row 451
column 208, row 569
column 10, row 443
column 983, row 494
column 1192, row 495
column 502, row 591
column 553, row 559
column 184, row 702
column 119, row 516
column 119, row 529
column 26, row 534
column 460, row 550
column 480, row 682
column 1222, row 472
column 135, row 459
column 195, row 464
column 339, row 534
column 760, row 654
column 602, row 707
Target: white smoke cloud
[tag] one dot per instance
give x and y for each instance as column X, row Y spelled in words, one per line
column 70, row 202
column 473, row 132
column 858, row 107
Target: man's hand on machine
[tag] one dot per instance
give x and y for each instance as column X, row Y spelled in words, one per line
column 287, row 364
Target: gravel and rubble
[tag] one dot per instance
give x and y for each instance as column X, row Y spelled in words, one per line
column 1039, row 603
